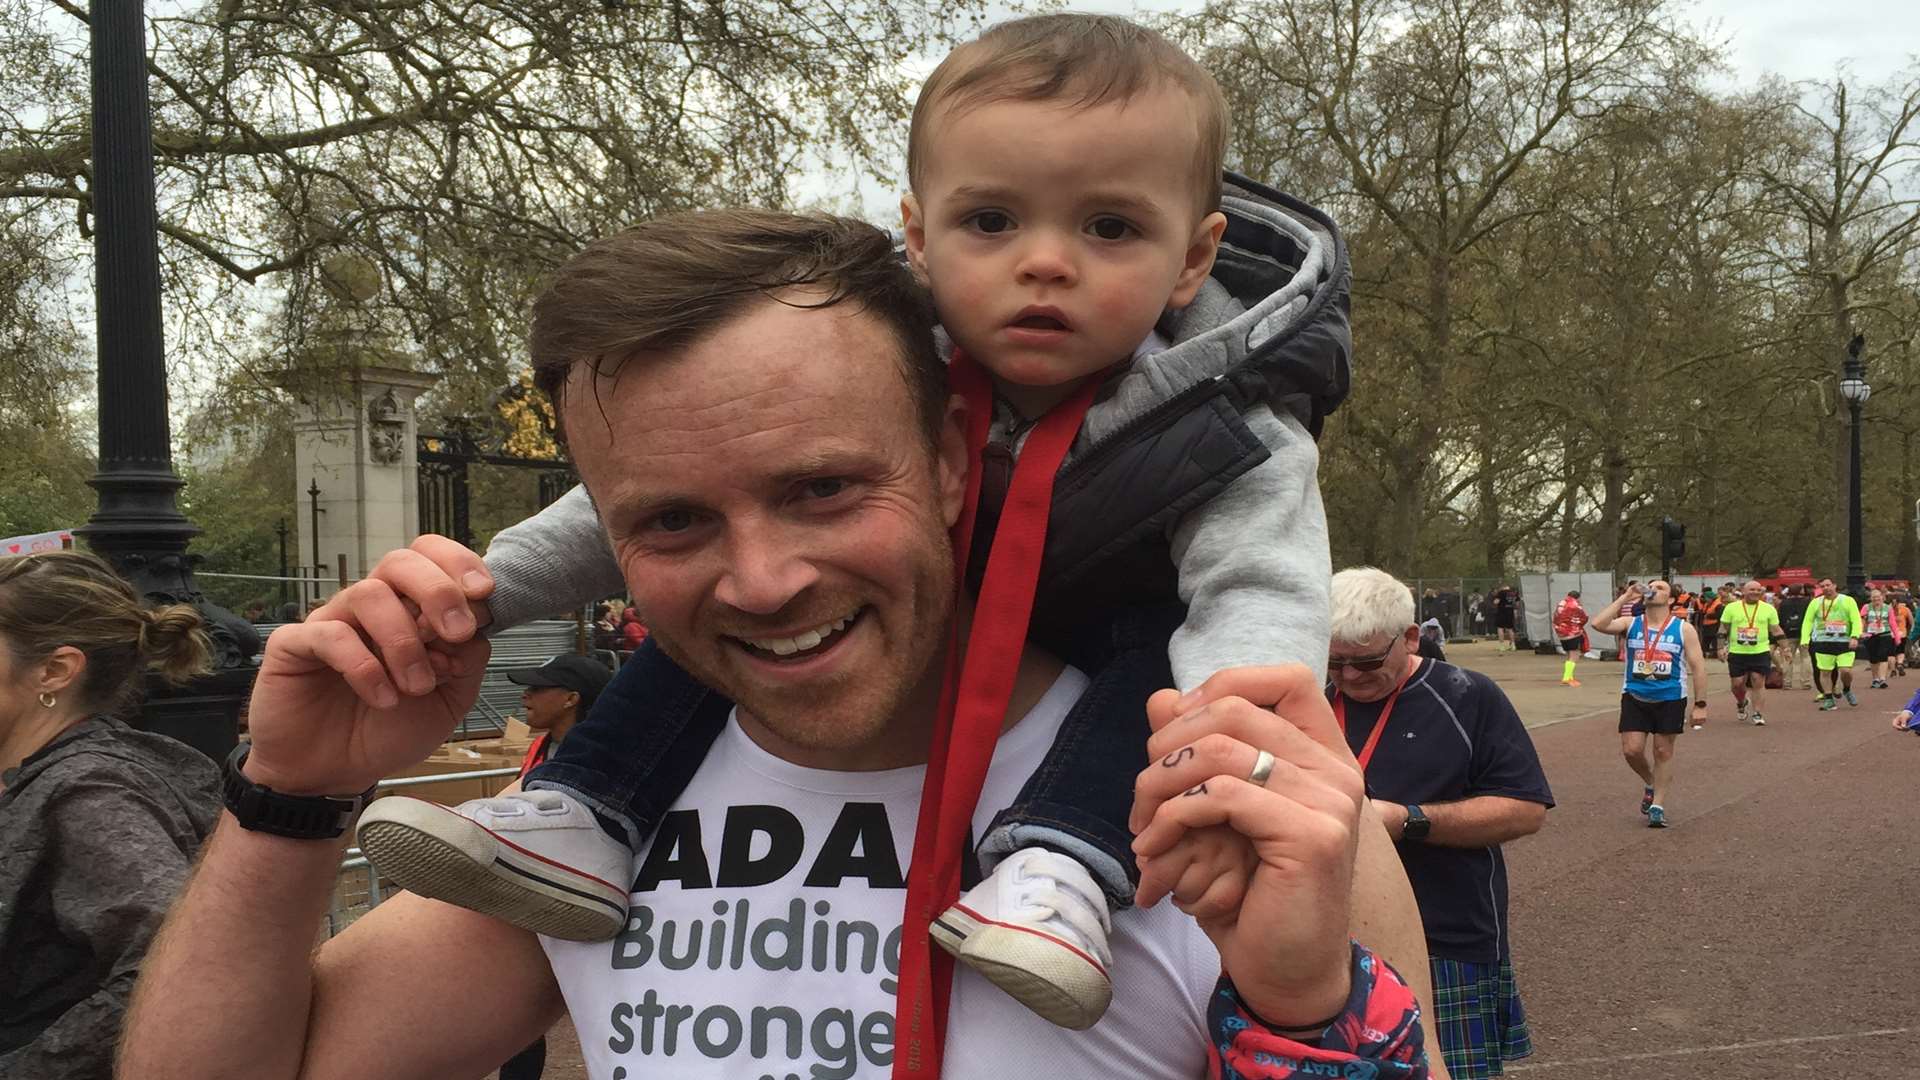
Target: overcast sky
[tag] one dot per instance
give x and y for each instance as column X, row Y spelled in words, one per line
column 1799, row 40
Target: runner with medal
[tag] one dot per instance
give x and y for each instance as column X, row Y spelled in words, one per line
column 1832, row 632
column 1664, row 667
column 1751, row 627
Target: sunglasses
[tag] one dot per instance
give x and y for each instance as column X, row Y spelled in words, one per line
column 1365, row 663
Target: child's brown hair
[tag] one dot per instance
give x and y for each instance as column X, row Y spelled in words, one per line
column 1082, row 60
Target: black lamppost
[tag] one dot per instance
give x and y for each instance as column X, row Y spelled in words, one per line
column 1854, row 388
column 280, row 530
column 138, row 525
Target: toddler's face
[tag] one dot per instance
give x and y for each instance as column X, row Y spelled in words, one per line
column 1054, row 236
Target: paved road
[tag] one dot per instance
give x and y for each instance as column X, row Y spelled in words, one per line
column 1770, row 932
column 1766, row 934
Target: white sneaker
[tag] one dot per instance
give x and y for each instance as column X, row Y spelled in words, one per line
column 536, row 859
column 1759, row 721
column 1037, row 928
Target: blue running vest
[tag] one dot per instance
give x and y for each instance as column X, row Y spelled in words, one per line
column 1656, row 666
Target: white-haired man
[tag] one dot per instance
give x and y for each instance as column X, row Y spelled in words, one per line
column 1454, row 775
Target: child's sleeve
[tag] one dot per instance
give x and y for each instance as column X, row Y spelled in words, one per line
column 1253, row 564
column 552, row 562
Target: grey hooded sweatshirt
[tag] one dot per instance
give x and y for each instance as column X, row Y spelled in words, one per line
column 98, row 830
column 1248, row 558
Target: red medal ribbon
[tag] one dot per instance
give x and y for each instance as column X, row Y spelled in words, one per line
column 977, row 688
column 1379, row 726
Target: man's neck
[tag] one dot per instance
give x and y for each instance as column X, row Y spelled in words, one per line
column 1656, row 614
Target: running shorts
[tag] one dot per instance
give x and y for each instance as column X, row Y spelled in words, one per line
column 1878, row 647
column 1574, row 645
column 1828, row 655
column 1739, row 664
column 1652, row 717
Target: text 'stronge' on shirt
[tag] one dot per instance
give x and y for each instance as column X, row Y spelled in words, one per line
column 1747, row 626
column 1452, row 735
column 763, row 939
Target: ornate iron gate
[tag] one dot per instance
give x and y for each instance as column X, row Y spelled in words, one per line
column 445, row 457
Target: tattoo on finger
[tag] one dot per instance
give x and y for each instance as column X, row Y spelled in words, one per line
column 1197, row 789
column 1177, row 757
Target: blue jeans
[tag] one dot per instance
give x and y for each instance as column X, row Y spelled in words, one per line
column 652, row 726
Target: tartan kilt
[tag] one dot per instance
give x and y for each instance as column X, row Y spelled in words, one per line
column 1479, row 1018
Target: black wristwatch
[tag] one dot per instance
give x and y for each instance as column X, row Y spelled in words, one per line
column 1700, row 703
column 1418, row 824
column 298, row 817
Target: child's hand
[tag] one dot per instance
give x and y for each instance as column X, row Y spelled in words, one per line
column 1206, row 872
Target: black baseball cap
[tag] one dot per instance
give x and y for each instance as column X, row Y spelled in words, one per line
column 582, row 675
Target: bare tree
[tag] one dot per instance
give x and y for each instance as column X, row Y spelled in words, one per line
column 1424, row 112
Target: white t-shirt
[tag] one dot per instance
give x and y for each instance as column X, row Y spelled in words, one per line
column 763, row 939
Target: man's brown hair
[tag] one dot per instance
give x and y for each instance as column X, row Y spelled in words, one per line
column 1081, row 60
column 669, row 282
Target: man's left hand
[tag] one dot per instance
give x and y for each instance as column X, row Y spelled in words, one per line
column 1283, row 939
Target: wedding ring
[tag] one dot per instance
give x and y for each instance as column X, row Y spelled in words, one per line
column 1262, row 768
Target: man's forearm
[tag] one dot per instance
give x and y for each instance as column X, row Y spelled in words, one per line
column 1387, row 919
column 228, row 987
column 1482, row 821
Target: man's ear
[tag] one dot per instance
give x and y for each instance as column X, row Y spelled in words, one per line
column 1201, row 251
column 913, row 224
column 951, row 464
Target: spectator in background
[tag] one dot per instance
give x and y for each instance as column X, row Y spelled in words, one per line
column 558, row 693
column 1793, row 655
column 1455, row 779
column 1902, row 632
column 1506, row 601
column 1477, row 604
column 99, row 823
column 632, row 633
column 1431, row 639
column 1711, row 605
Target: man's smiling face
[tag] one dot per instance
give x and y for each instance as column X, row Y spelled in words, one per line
column 782, row 522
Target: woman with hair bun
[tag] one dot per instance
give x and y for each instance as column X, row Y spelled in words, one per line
column 99, row 823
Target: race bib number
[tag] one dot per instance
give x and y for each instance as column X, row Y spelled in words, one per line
column 1746, row 635
column 1651, row 667
column 1833, row 630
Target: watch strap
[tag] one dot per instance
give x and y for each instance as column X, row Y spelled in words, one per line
column 298, row 817
column 1418, row 823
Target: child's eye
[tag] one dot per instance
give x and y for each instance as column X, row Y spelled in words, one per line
column 990, row 221
column 1110, row 228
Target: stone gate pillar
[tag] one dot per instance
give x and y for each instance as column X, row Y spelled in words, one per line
column 354, row 446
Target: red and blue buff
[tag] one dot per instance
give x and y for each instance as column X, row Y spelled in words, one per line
column 1377, row 1036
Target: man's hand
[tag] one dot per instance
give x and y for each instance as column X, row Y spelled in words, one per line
column 1699, row 713
column 373, row 680
column 1282, row 926
column 1853, row 644
column 1902, row 719
column 1393, row 815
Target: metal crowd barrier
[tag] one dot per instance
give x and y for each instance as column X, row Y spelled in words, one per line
column 339, row 913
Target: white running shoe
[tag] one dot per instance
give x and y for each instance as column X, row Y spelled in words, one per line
column 536, row 859
column 1759, row 721
column 1037, row 928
